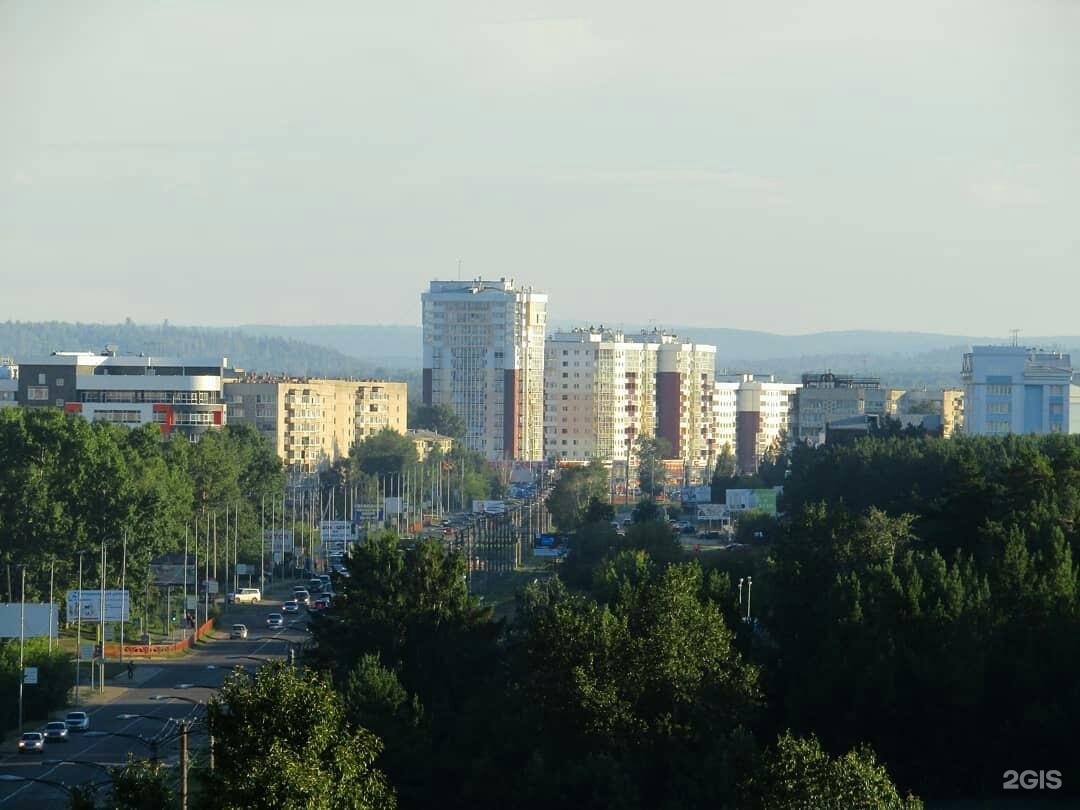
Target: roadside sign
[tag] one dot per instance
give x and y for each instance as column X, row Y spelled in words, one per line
column 87, row 651
column 30, row 676
column 88, row 605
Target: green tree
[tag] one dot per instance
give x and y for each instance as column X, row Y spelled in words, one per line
column 439, row 418
column 574, row 494
column 652, row 475
column 282, row 741
column 796, row 774
column 385, row 453
column 142, row 785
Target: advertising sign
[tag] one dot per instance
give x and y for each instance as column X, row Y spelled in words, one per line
column 278, row 540
column 36, row 621
column 392, row 506
column 366, row 511
column 168, row 574
column 489, row 507
column 87, row 605
column 30, row 676
column 711, row 511
column 244, row 568
column 551, row 545
column 697, row 494
column 334, row 531
column 762, row 499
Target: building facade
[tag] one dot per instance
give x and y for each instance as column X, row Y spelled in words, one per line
column 948, row 403
column 599, row 395
column 828, row 397
column 179, row 395
column 9, row 383
column 685, row 377
column 312, row 423
column 763, row 409
column 484, row 357
column 1013, row 389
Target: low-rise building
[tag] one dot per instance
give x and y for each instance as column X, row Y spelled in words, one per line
column 828, row 397
column 9, row 383
column 428, row 442
column 1014, row 389
column 184, row 396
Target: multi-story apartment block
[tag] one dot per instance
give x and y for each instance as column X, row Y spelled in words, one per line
column 599, row 394
column 484, row 357
column 948, row 403
column 9, row 383
column 828, row 397
column 381, row 405
column 313, row 422
column 762, row 413
column 179, row 395
column 725, row 408
column 1013, row 389
column 685, row 373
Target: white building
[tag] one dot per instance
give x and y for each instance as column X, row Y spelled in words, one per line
column 9, row 383
column 1013, row 389
column 826, row 398
column 762, row 413
column 179, row 395
column 484, row 357
column 599, row 395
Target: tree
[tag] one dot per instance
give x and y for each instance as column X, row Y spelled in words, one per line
column 796, row 774
column 141, row 785
column 384, row 453
column 440, row 418
column 574, row 494
column 282, row 741
column 774, row 464
column 651, row 452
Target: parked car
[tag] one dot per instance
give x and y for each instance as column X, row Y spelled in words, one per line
column 275, row 621
column 291, row 606
column 77, row 721
column 32, row 742
column 56, row 731
column 238, row 631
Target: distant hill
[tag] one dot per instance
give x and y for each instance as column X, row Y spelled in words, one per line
column 26, row 340
column 389, row 346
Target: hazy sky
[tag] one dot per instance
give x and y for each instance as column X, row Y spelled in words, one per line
column 782, row 165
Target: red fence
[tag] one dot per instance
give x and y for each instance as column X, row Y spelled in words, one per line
column 148, row 650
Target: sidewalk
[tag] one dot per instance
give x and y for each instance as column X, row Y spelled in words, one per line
column 115, row 686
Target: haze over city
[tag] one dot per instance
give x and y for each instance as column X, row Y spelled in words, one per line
column 773, row 166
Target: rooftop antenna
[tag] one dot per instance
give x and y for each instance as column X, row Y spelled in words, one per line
column 1015, row 337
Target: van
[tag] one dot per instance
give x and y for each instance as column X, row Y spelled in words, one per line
column 248, row 596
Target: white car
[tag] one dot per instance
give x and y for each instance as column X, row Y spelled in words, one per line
column 32, row 742
column 248, row 596
column 77, row 721
column 275, row 621
column 238, row 631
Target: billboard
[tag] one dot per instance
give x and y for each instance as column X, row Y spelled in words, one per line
column 172, row 574
column 87, row 604
column 489, row 507
column 39, row 620
column 697, row 494
column 551, row 545
column 278, row 540
column 334, row 531
column 760, row 499
column 366, row 511
column 711, row 511
column 392, row 506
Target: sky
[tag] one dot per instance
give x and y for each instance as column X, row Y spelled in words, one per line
column 777, row 165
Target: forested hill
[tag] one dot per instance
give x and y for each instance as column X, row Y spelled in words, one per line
column 25, row 340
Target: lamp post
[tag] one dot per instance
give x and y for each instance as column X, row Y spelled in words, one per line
column 740, row 591
column 749, row 583
column 78, row 629
column 22, row 644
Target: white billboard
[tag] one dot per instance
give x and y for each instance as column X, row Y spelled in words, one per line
column 489, row 507
column 87, row 604
column 712, row 511
column 334, row 531
column 39, row 619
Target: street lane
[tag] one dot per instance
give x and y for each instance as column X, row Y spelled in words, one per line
column 194, row 677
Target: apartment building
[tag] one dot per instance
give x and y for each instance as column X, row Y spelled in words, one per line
column 484, row 357
column 184, row 396
column 948, row 403
column 685, row 377
column 599, row 394
column 428, row 442
column 763, row 408
column 828, row 397
column 313, row 422
column 1014, row 389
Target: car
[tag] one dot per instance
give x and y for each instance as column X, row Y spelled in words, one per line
column 32, row 742
column 238, row 631
column 291, row 606
column 250, row 596
column 321, row 603
column 302, row 596
column 315, row 585
column 275, row 621
column 56, row 731
column 77, row 721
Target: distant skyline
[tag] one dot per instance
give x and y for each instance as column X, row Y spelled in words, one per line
column 769, row 166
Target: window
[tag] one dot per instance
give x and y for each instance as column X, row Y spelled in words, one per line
column 37, row 393
column 59, row 382
column 41, row 379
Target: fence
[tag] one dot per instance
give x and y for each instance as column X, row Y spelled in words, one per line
column 148, row 650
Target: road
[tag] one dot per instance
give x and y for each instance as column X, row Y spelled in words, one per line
column 194, row 677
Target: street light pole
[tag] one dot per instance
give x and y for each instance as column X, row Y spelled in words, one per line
column 78, row 629
column 749, row 583
column 22, row 644
column 183, row 765
column 52, row 605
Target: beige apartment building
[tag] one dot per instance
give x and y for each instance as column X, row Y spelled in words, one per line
column 484, row 357
column 947, row 403
column 599, row 394
column 763, row 408
column 313, row 422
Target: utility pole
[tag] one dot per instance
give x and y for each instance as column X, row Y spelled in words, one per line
column 123, row 585
column 53, row 618
column 183, row 765
column 22, row 644
column 78, row 630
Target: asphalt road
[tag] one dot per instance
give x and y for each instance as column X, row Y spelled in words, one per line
column 195, row 677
